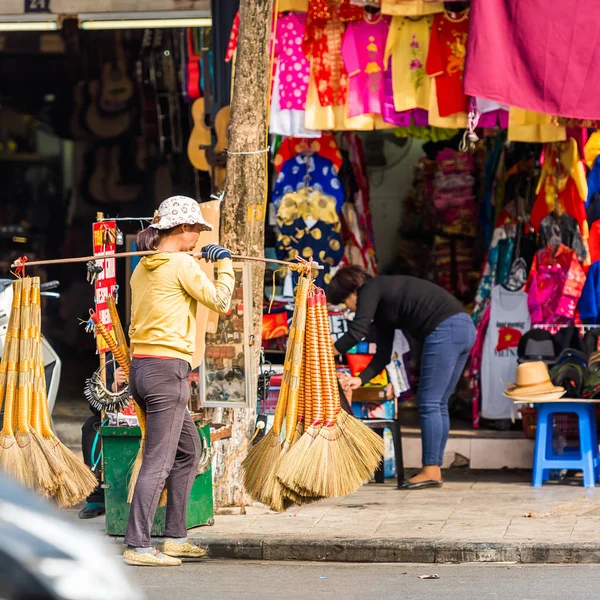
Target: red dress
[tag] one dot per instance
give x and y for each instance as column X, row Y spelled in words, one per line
column 325, row 146
column 334, row 10
column 323, row 45
column 446, row 62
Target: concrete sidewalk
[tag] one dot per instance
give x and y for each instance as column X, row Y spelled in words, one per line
column 486, row 516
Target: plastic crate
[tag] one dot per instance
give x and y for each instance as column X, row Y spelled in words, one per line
column 566, row 422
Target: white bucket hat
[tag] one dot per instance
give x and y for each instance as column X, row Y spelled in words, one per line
column 179, row 210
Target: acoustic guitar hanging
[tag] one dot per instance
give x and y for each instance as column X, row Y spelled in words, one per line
column 116, row 89
column 219, row 173
column 200, row 137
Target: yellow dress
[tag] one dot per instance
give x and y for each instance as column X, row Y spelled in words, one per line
column 572, row 165
column 407, row 45
column 528, row 126
column 411, row 8
column 297, row 5
column 335, row 118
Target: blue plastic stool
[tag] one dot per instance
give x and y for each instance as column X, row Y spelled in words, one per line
column 586, row 458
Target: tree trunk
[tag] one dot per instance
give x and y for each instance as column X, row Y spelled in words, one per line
column 243, row 214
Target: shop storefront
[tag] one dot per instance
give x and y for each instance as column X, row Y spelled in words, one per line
column 366, row 93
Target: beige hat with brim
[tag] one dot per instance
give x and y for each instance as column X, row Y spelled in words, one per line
column 532, row 390
column 546, row 397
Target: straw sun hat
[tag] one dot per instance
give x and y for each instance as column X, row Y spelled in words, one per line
column 533, row 383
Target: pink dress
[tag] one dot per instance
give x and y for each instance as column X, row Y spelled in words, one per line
column 363, row 52
column 540, row 55
column 293, row 65
column 555, row 285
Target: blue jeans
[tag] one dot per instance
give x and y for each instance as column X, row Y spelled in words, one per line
column 444, row 357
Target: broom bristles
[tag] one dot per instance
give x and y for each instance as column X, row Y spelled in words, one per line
column 258, row 468
column 294, row 460
column 44, row 469
column 162, row 501
column 135, row 470
column 368, row 446
column 11, row 459
column 81, row 481
column 136, row 467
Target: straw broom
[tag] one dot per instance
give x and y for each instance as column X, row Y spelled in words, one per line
column 51, row 472
column 78, row 481
column 368, row 446
column 275, row 489
column 334, row 463
column 326, row 469
column 66, row 490
column 297, row 495
column 37, row 472
column 294, row 460
column 261, row 459
column 10, row 456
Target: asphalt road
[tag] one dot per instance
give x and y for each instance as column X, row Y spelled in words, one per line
column 237, row 580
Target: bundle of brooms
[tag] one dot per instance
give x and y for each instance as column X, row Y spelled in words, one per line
column 30, row 452
column 326, row 452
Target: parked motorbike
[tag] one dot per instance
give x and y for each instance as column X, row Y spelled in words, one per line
column 52, row 363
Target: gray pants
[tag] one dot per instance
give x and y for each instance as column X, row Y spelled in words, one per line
column 172, row 452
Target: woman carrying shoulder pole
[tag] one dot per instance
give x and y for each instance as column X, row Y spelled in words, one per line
column 166, row 288
column 430, row 315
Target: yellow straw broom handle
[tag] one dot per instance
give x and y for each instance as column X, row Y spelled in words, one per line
column 314, row 368
column 9, row 360
column 308, row 400
column 25, row 360
column 36, row 399
column 281, row 407
column 329, row 356
column 301, row 401
column 12, row 335
column 324, row 347
column 44, row 411
column 117, row 352
column 116, row 321
column 297, row 350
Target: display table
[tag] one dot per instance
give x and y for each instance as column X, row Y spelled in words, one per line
column 119, row 449
column 585, row 458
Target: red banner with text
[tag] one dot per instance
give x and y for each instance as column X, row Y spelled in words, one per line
column 105, row 244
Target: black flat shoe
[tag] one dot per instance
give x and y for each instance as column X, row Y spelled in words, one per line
column 91, row 512
column 420, row 485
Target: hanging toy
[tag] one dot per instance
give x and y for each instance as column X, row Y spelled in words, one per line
column 101, row 398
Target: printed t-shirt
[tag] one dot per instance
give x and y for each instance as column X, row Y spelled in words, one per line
column 509, row 320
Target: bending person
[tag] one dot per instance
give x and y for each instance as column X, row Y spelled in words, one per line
column 166, row 288
column 430, row 315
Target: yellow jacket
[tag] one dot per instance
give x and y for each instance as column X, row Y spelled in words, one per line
column 165, row 291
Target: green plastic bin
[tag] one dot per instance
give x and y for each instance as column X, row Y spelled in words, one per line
column 119, row 449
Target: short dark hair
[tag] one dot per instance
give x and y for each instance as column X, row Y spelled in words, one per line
column 149, row 238
column 345, row 282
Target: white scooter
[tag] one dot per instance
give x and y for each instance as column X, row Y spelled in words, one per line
column 52, row 364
